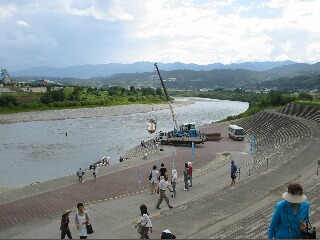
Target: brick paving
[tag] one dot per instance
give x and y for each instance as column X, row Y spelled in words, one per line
column 111, row 185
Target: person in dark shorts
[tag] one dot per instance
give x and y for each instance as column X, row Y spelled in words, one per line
column 65, row 230
column 162, row 171
column 234, row 170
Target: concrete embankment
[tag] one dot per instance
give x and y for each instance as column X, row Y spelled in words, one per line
column 209, row 209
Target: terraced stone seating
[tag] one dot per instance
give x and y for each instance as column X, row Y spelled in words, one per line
column 140, row 151
column 309, row 112
column 255, row 226
column 277, row 138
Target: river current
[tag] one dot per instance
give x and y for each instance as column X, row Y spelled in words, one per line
column 40, row 150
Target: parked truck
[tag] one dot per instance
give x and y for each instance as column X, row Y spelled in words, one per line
column 187, row 134
column 183, row 134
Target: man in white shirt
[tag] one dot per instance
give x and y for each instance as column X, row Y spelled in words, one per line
column 163, row 185
column 80, row 174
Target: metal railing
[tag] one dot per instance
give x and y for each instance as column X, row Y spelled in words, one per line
column 247, row 169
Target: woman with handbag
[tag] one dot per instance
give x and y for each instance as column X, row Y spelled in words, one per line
column 145, row 223
column 82, row 219
column 291, row 215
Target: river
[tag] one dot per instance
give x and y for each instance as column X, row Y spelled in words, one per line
column 40, row 150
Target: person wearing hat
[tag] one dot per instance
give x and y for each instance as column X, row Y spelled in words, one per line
column 234, row 170
column 290, row 215
column 82, row 219
column 174, row 182
column 65, row 230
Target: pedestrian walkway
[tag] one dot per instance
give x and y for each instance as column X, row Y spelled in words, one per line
column 52, row 197
column 113, row 201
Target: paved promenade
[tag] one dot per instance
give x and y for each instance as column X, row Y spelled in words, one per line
column 113, row 201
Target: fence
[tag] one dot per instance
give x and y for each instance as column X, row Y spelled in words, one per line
column 248, row 169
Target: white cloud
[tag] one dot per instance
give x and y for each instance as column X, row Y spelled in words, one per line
column 23, row 24
column 110, row 10
column 199, row 31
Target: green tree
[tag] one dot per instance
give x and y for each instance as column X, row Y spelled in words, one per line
column 238, row 90
column 275, row 98
column 305, row 96
column 53, row 96
column 159, row 92
column 148, row 91
column 132, row 89
column 8, row 100
column 46, row 98
column 58, row 95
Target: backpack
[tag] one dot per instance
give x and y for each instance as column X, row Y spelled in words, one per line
column 150, row 176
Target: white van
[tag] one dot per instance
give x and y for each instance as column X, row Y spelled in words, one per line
column 236, row 132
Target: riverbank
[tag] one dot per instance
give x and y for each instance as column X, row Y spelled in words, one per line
column 85, row 112
column 80, row 113
column 38, row 151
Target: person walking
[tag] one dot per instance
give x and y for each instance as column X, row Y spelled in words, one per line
column 95, row 172
column 144, row 222
column 80, row 174
column 65, row 230
column 82, row 219
column 290, row 215
column 190, row 173
column 154, row 179
column 234, row 170
column 163, row 185
column 163, row 171
column 174, row 182
column 186, row 176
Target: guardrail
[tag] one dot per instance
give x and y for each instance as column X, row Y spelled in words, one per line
column 250, row 167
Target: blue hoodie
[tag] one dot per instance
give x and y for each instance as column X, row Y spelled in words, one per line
column 284, row 214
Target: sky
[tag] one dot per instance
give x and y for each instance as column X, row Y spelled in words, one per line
column 61, row 33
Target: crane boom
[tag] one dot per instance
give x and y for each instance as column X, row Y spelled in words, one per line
column 167, row 96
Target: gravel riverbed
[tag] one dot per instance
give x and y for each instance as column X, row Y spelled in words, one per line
column 84, row 112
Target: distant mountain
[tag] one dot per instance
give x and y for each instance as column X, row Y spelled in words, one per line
column 295, row 67
column 104, row 70
column 308, row 80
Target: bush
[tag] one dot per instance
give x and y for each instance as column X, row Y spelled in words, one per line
column 305, row 96
column 132, row 99
column 8, row 101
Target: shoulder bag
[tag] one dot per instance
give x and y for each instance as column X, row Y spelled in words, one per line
column 88, row 226
column 141, row 228
column 310, row 233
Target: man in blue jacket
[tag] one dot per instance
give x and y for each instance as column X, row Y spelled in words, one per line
column 234, row 170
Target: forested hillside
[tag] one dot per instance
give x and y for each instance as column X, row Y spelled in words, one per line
column 287, row 77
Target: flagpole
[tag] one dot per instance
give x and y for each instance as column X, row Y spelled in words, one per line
column 173, row 154
column 192, row 151
column 139, row 177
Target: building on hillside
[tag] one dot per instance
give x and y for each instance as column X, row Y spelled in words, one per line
column 44, row 82
column 4, row 76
